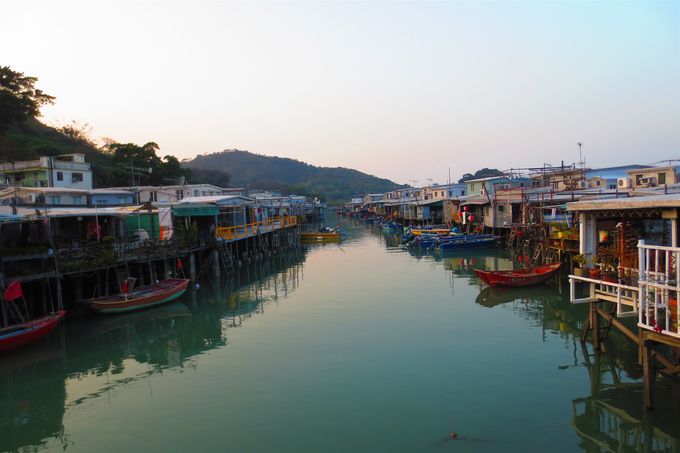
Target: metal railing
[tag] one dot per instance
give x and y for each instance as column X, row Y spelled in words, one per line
column 233, row 233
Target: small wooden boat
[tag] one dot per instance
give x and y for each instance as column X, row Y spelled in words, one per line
column 16, row 336
column 418, row 232
column 320, row 236
column 519, row 277
column 142, row 297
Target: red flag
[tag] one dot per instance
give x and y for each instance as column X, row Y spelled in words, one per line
column 13, row 291
column 125, row 286
column 179, row 263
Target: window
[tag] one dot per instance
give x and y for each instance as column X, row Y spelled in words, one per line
column 597, row 183
column 462, row 193
column 77, row 201
column 662, row 178
column 56, row 199
column 501, row 208
column 612, row 186
column 179, row 194
column 20, row 176
column 60, row 176
column 637, row 179
column 76, row 177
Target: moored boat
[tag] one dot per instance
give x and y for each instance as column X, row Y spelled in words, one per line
column 465, row 242
column 19, row 335
column 142, row 297
column 325, row 234
column 519, row 277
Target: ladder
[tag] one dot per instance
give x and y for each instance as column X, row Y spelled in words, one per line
column 226, row 257
column 538, row 251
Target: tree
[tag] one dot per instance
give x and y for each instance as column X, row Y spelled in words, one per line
column 126, row 156
column 483, row 173
column 19, row 99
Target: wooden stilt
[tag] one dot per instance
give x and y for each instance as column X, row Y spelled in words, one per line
column 649, row 375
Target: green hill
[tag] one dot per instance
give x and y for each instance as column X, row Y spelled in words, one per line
column 32, row 139
column 256, row 171
column 110, row 164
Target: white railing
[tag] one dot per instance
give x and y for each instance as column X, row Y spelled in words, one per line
column 625, row 297
column 659, row 288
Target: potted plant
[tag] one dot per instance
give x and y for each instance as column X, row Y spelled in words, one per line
column 580, row 261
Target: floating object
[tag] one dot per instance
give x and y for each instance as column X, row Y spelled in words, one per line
column 16, row 336
column 454, row 435
column 320, row 236
column 142, row 297
column 519, row 277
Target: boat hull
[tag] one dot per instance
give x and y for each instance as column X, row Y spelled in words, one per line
column 519, row 277
column 148, row 296
column 319, row 237
column 14, row 337
column 466, row 244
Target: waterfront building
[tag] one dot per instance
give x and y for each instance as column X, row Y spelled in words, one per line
column 643, row 178
column 43, row 196
column 110, row 197
column 64, row 171
column 175, row 193
column 610, row 178
column 630, row 252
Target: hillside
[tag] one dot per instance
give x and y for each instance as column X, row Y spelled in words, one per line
column 110, row 164
column 255, row 171
column 32, row 139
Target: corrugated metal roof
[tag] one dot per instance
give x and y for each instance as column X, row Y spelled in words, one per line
column 649, row 202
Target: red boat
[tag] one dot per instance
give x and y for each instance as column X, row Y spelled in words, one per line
column 16, row 336
column 142, row 297
column 519, row 277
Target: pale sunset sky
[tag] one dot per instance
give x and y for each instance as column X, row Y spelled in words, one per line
column 401, row 90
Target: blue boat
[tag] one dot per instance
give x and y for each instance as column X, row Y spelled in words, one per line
column 465, row 242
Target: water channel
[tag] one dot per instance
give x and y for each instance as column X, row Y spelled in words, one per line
column 359, row 346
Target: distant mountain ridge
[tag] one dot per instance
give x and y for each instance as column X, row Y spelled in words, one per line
column 256, row 171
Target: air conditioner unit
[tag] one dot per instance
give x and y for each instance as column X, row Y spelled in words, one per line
column 648, row 182
column 623, row 183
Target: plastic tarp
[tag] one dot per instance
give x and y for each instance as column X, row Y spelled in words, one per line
column 165, row 223
column 193, row 210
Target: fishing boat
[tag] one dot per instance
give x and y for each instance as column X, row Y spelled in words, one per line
column 519, row 277
column 18, row 335
column 465, row 242
column 323, row 235
column 142, row 297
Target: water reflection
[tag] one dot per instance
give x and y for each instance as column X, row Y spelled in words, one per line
column 110, row 352
column 612, row 417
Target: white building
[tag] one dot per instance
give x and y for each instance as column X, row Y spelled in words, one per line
column 68, row 171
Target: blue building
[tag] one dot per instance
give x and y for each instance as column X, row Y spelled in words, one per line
column 110, row 197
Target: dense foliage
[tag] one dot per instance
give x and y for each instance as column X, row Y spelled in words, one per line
column 19, row 99
column 483, row 173
column 255, row 171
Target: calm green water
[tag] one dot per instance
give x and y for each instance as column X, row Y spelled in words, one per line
column 354, row 347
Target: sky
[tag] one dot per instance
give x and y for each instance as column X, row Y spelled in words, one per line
column 408, row 91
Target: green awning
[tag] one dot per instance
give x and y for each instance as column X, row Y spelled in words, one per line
column 193, row 210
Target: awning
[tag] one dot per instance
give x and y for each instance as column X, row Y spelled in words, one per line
column 478, row 201
column 194, row 210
